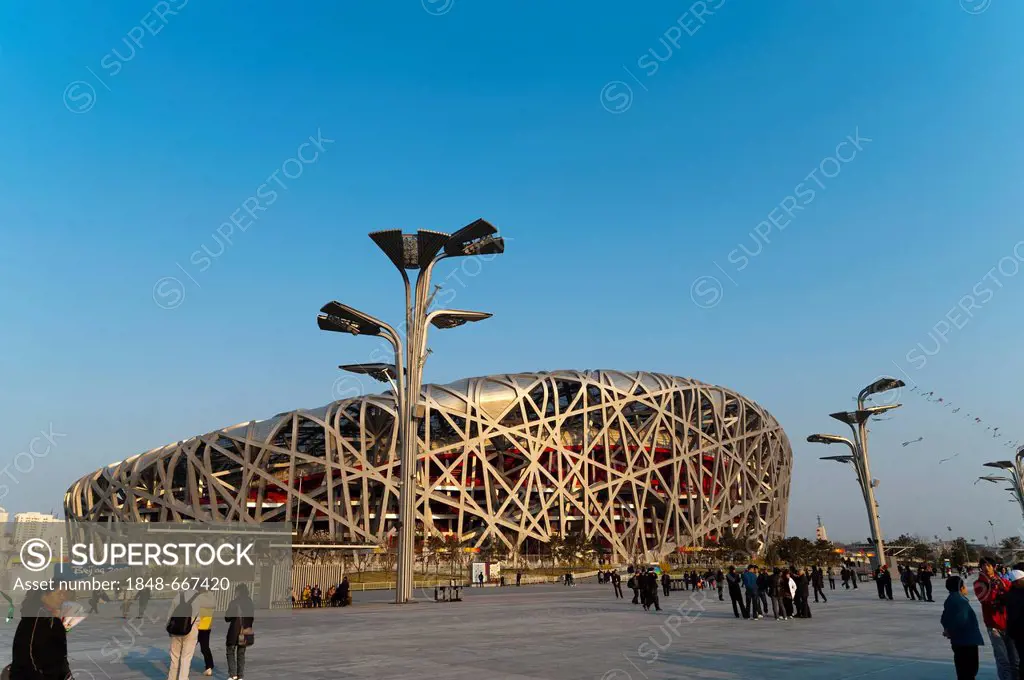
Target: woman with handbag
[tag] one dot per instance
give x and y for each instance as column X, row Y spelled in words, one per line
column 240, row 635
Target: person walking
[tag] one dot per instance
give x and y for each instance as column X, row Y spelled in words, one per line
column 666, row 581
column 720, row 584
column 752, row 605
column 183, row 631
column 617, row 584
column 519, row 578
column 240, row 617
column 831, row 579
column 144, row 596
column 992, row 592
column 735, row 594
column 633, row 584
column 206, row 604
column 40, row 649
column 775, row 585
column 960, row 626
column 924, row 578
column 818, row 581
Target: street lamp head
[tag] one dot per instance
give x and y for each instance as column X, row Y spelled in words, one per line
column 1000, row 464
column 340, row 318
column 476, row 238
column 452, row 318
column 826, row 439
column 839, row 459
column 883, row 384
column 410, row 251
column 382, row 372
column 876, row 410
column 861, row 416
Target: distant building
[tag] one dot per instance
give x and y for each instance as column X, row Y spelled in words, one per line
column 820, row 532
column 30, row 525
column 4, row 516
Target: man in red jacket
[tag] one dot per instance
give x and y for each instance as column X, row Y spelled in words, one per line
column 991, row 592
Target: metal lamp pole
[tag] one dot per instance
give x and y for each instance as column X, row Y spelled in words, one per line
column 858, row 422
column 420, row 251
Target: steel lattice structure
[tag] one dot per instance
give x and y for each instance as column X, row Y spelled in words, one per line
column 643, row 462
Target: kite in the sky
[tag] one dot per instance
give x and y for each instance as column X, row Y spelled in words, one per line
column 950, row 458
column 913, row 441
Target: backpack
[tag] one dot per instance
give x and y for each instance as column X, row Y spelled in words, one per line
column 631, row 584
column 181, row 620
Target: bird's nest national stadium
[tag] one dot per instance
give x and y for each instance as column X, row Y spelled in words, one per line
column 644, row 463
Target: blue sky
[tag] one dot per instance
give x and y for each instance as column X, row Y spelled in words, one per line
column 123, row 158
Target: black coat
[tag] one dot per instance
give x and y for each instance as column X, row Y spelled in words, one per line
column 801, row 586
column 239, row 615
column 40, row 650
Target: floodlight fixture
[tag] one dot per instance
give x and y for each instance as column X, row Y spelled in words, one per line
column 828, row 439
column 382, row 372
column 476, row 238
column 1000, row 464
column 883, row 384
column 452, row 318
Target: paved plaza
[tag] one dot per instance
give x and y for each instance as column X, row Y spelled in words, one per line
column 556, row 633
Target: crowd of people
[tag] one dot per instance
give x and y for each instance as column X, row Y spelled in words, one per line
column 785, row 592
column 339, row 595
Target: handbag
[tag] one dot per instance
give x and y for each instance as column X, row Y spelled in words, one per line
column 246, row 637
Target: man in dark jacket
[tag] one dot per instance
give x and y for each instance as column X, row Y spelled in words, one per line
column 753, row 601
column 818, row 582
column 617, row 584
column 666, row 581
column 800, row 601
column 652, row 591
column 240, row 617
column 732, row 579
column 40, row 650
column 886, row 579
column 720, row 583
column 924, row 579
column 634, row 585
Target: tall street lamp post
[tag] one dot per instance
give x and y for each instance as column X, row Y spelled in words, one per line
column 419, row 251
column 858, row 420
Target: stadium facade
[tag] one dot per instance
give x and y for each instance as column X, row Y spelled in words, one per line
column 643, row 462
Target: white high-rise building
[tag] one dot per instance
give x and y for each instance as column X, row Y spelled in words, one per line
column 4, row 516
column 31, row 525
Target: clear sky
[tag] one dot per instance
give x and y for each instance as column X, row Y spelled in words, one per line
column 132, row 131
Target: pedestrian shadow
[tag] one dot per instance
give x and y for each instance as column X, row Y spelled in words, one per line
column 154, row 663
column 795, row 664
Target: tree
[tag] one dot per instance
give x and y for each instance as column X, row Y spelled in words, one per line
column 961, row 553
column 792, row 550
column 554, row 548
column 435, row 547
column 453, row 552
column 1010, row 548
